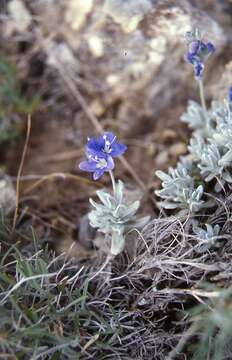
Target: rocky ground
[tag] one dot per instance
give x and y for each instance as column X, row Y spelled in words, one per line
column 114, row 65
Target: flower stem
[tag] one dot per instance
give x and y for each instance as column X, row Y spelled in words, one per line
column 113, row 181
column 202, row 95
column 203, row 103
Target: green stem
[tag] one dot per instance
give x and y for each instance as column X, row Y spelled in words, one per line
column 113, row 181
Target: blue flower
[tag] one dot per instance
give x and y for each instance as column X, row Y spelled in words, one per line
column 105, row 145
column 198, row 70
column 200, row 49
column 230, row 94
column 197, row 54
column 97, row 165
column 100, row 152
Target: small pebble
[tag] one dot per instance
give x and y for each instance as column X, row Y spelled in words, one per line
column 162, row 158
column 178, row 149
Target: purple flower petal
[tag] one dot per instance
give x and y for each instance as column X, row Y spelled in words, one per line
column 189, row 58
column 94, row 146
column 109, row 136
column 98, row 173
column 103, row 146
column 97, row 165
column 198, row 52
column 117, row 149
column 100, row 152
column 88, row 166
column 202, row 48
column 210, row 47
column 198, row 69
column 194, row 47
column 110, row 163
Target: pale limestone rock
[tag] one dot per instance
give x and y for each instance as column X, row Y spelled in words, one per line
column 113, row 79
column 7, row 195
column 97, row 107
column 20, row 18
column 142, row 71
column 162, row 158
column 77, row 11
column 219, row 90
column 127, row 13
column 178, row 149
column 96, row 45
column 60, row 54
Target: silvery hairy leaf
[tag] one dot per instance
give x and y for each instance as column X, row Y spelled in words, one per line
column 196, row 118
column 221, row 112
column 207, row 238
column 196, row 147
column 210, row 151
column 193, row 198
column 178, row 188
column 223, row 135
column 114, row 216
column 226, row 159
column 209, row 162
column 225, row 178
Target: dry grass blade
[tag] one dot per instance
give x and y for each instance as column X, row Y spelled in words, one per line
column 63, row 176
column 19, row 175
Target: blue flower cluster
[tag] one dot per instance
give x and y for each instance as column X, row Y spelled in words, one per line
column 100, row 153
column 197, row 54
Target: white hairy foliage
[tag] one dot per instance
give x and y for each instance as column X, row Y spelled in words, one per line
column 210, row 151
column 114, row 216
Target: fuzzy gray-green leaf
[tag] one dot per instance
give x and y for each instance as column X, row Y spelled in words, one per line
column 114, row 216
